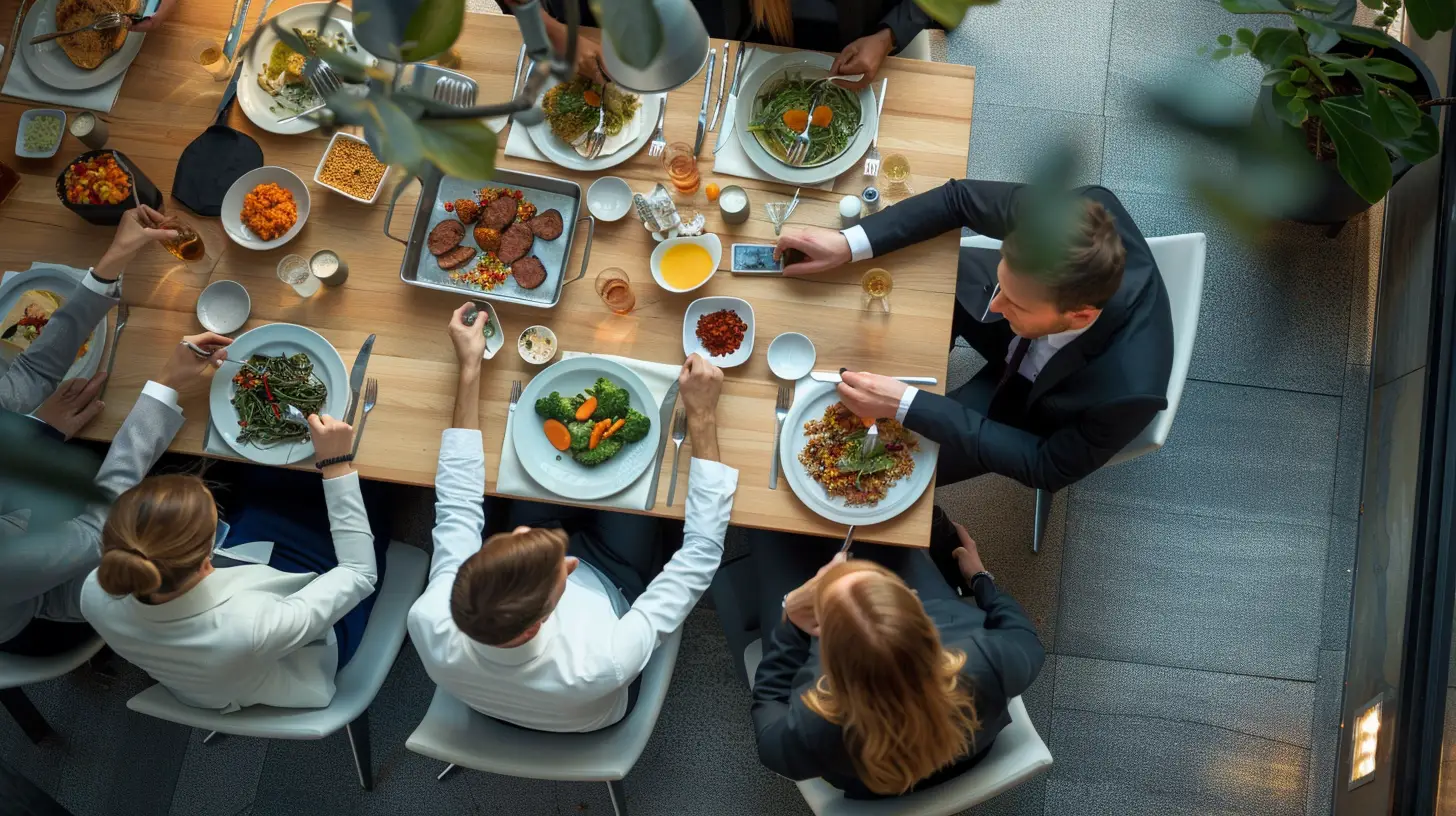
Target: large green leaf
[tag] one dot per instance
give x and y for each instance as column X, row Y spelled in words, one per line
column 949, row 13
column 1429, row 16
column 1423, row 143
column 1360, row 157
column 1375, row 66
column 634, row 29
column 1276, row 6
column 394, row 136
column 1275, row 47
column 464, row 148
column 432, row 29
column 1321, row 37
column 1361, row 34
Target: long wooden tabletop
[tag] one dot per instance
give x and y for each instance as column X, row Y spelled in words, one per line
column 167, row 99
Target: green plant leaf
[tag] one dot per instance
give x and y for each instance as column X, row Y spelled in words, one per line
column 1276, row 6
column 948, row 13
column 1303, row 93
column 392, row 134
column 1289, row 109
column 1390, row 69
column 1240, row 51
column 1318, row 71
column 1285, row 88
column 1423, row 143
column 1300, row 75
column 1430, row 16
column 1277, row 76
column 1275, row 47
column 1221, row 54
column 1321, row 37
column 1361, row 158
column 1245, row 36
column 1361, row 34
column 1299, row 106
column 1224, row 39
column 432, row 29
column 1374, row 4
column 636, row 31
column 464, row 148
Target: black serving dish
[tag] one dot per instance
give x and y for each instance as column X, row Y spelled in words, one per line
column 109, row 215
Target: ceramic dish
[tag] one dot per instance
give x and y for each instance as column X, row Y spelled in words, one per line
column 25, row 119
column 709, row 242
column 338, row 135
column 61, row 280
column 49, row 63
column 490, row 326
column 232, row 205
column 537, row 354
column 609, row 198
column 224, row 306
column 561, row 153
column 708, row 305
column 262, row 107
column 808, row 64
column 791, row 356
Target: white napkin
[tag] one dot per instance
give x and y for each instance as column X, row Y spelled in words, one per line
column 513, row 479
column 20, row 82
column 520, row 146
column 732, row 160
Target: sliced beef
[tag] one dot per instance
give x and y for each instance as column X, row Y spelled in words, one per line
column 499, row 213
column 529, row 272
column 515, row 243
column 488, row 239
column 467, row 210
column 546, row 225
column 446, row 236
column 457, row 257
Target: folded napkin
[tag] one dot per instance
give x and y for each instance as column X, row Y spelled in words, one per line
column 732, row 160
column 513, row 479
column 520, row 146
column 21, row 83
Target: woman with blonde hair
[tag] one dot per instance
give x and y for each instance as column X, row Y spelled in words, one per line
column 879, row 677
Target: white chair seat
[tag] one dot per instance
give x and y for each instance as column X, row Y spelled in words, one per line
column 17, row 671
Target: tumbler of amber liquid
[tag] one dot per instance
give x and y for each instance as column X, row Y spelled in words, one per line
column 615, row 290
column 188, row 245
column 682, row 168
column 877, row 285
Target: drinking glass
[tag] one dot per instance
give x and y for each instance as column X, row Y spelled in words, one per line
column 293, row 270
column 189, row 245
column 877, row 285
column 895, row 170
column 615, row 290
column 208, row 54
column 682, row 168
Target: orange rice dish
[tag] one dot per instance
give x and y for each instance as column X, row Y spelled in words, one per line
column 269, row 211
column 831, row 456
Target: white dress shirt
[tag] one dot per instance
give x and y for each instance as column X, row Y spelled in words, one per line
column 573, row 675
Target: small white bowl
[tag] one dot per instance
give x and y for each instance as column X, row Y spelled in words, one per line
column 20, row 133
column 609, row 198
column 339, row 134
column 544, row 332
column 709, row 242
column 708, row 305
column 232, row 205
column 223, row 307
column 493, row 342
column 791, row 356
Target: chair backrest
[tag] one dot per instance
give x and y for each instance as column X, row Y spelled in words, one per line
column 1180, row 260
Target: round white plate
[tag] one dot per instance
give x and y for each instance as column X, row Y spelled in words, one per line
column 560, row 152
column 809, row 64
column 50, row 64
column 900, row 497
column 557, row 471
column 232, row 205
column 63, row 283
column 255, row 101
column 275, row 339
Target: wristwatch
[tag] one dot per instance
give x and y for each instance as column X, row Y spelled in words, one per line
column 989, row 577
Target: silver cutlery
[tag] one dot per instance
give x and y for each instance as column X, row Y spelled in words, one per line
column 292, row 414
column 664, row 420
column 659, row 140
column 371, row 396
column 725, row 132
column 196, row 349
column 105, row 22
column 356, row 378
column 833, row 377
column 321, row 78
column 799, row 150
column 597, row 139
column 845, row 77
column 515, row 396
column 308, row 112
column 723, row 85
column 235, row 31
column 703, row 111
column 848, row 539
column 872, row 158
column 679, row 433
column 781, row 413
column 121, row 315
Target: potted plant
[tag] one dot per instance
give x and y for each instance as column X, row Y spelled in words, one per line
column 1357, row 99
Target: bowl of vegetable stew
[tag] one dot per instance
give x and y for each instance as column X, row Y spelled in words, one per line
column 96, row 187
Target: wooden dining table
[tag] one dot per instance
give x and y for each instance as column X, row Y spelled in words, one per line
column 167, row 99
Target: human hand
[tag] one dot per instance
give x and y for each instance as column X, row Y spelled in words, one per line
column 137, row 228
column 700, row 384
column 825, row 249
column 799, row 605
column 73, row 405
column 967, row 555
column 469, row 340
column 863, row 56
column 332, row 438
column 871, row 396
column 155, row 20
column 185, row 367
column 588, row 51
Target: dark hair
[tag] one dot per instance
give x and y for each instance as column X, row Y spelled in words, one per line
column 1090, row 272
column 505, row 588
column 157, row 535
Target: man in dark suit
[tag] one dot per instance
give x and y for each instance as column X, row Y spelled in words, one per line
column 1078, row 347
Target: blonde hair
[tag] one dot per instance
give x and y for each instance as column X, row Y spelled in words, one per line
column 886, row 680
column 776, row 16
column 506, row 587
column 158, row 535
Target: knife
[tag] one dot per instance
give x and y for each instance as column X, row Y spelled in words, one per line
column 664, row 424
column 833, row 377
column 725, row 130
column 356, row 378
column 703, row 111
column 230, row 45
column 722, row 85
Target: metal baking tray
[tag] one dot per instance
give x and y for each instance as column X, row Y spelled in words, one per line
column 420, row 268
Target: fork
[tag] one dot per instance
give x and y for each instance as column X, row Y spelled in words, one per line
column 659, row 142
column 679, row 433
column 105, row 22
column 371, row 395
column 515, row 396
column 781, row 413
column 799, row 150
column 597, row 139
column 872, row 158
column 121, row 314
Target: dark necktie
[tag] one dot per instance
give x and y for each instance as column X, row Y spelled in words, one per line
column 1014, row 365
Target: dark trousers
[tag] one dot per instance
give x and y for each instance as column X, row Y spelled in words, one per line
column 288, row 508
column 44, row 638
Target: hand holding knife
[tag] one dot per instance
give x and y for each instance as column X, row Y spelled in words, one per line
column 356, row 378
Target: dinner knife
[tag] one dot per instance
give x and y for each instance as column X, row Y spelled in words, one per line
column 230, row 45
column 723, row 85
column 356, row 378
column 703, row 111
column 664, row 424
column 833, row 377
column 725, row 130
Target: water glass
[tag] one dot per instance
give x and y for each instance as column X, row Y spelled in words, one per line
column 208, row 54
column 682, row 168
column 294, row 271
column 615, row 290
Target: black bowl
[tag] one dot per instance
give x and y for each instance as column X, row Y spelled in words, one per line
column 109, row 215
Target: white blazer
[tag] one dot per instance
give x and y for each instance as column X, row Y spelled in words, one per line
column 248, row 635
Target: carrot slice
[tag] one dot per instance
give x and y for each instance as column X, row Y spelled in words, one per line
column 592, row 98
column 822, row 116
column 586, row 410
column 616, row 426
column 557, row 434
column 596, row 434
column 796, row 120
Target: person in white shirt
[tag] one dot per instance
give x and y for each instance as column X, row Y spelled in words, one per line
column 528, row 627
column 226, row 638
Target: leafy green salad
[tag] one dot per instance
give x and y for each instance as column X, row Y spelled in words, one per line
column 781, row 110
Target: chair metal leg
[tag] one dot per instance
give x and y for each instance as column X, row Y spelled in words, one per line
column 619, row 800
column 208, row 738
column 445, row 773
column 358, row 732
column 26, row 716
column 1043, row 518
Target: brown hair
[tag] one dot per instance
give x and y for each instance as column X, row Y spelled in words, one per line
column 775, row 16
column 506, row 586
column 886, row 681
column 158, row 535
column 1091, row 271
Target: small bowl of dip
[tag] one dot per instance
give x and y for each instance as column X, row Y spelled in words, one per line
column 537, row 345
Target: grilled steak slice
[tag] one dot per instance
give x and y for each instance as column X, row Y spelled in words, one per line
column 546, row 225
column 515, row 243
column 457, row 257
column 529, row 272
column 499, row 213
column 446, row 236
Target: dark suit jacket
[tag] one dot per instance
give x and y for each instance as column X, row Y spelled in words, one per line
column 1003, row 657
column 1093, row 397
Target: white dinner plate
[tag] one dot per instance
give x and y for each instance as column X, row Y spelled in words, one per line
column 63, row 282
column 49, row 62
column 809, row 64
column 232, row 205
column 900, row 497
column 558, row 151
column 276, row 339
column 258, row 103
column 557, row 471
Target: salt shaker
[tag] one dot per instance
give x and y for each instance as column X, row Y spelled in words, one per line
column 849, row 210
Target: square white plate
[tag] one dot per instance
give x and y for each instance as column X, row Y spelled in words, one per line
column 708, row 305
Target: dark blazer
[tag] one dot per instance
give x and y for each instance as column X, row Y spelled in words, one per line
column 1093, row 397
column 1003, row 657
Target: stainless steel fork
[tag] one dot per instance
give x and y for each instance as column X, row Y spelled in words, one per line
column 322, row 79
column 799, row 150
column 781, row 413
column 371, row 396
column 659, row 141
column 597, row 139
column 105, row 22
column 679, row 433
column 515, row 395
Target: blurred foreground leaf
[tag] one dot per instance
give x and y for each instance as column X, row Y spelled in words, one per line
column 949, row 13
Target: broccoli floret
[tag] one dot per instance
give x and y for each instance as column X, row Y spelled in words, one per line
column 580, row 434
column 555, row 406
column 637, row 426
column 613, row 401
column 604, row 450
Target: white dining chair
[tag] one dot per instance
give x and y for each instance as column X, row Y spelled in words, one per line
column 17, row 671
column 1180, row 260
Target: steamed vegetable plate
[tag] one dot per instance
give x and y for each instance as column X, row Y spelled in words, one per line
column 572, row 108
column 593, row 426
column 266, row 386
column 782, row 109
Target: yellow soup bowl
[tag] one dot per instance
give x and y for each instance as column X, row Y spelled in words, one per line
column 686, row 263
